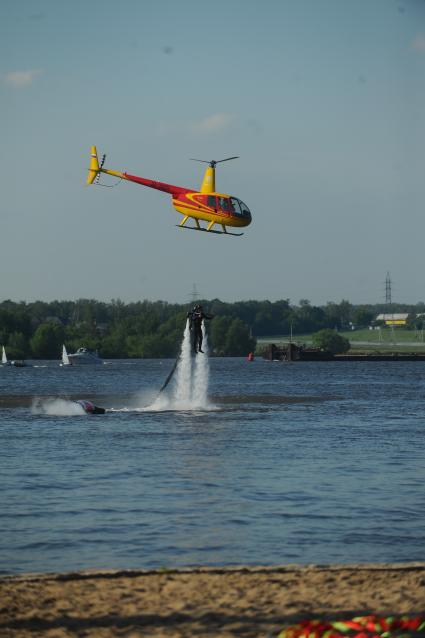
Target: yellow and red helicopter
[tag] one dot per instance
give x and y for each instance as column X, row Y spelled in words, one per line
column 204, row 205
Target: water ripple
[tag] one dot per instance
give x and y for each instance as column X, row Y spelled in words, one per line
column 305, row 463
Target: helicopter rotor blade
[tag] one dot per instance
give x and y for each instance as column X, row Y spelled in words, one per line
column 212, row 163
column 227, row 159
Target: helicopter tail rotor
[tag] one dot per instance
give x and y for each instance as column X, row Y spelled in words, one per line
column 95, row 168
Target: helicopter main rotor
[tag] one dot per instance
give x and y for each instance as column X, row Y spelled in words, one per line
column 212, row 163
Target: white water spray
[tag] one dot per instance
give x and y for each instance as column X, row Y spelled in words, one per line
column 56, row 407
column 189, row 388
column 201, row 375
column 183, row 384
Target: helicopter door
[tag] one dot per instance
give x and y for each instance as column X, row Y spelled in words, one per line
column 235, row 204
column 224, row 204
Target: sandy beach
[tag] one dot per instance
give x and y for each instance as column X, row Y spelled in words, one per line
column 254, row 601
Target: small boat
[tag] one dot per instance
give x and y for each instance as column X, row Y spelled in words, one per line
column 4, row 359
column 19, row 363
column 65, row 358
column 84, row 356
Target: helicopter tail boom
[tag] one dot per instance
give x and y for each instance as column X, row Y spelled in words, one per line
column 94, row 168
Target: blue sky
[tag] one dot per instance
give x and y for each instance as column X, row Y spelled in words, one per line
column 323, row 100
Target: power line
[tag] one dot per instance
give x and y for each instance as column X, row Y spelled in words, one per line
column 194, row 296
column 388, row 284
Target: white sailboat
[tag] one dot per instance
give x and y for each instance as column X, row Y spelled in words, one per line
column 4, row 360
column 65, row 358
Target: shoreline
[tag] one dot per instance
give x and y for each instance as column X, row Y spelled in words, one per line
column 205, row 601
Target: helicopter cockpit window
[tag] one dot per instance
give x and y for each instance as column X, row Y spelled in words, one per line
column 240, row 208
column 244, row 208
column 235, row 205
column 211, row 201
column 224, row 204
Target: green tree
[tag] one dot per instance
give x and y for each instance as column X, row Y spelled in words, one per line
column 17, row 346
column 264, row 323
column 218, row 333
column 238, row 340
column 330, row 341
column 133, row 347
column 114, row 343
column 13, row 318
column 416, row 322
column 152, row 347
column 362, row 316
column 307, row 318
column 47, row 341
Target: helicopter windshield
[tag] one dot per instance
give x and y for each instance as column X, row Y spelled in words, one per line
column 239, row 208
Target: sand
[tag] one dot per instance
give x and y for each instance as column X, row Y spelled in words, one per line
column 255, row 601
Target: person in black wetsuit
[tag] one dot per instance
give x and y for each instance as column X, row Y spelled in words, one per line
column 196, row 317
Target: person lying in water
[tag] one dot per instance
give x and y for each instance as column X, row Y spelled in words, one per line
column 89, row 407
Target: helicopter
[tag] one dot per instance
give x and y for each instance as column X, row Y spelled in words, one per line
column 205, row 205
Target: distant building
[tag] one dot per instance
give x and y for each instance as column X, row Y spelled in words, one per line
column 393, row 318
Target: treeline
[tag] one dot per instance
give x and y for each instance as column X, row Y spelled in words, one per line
column 154, row 329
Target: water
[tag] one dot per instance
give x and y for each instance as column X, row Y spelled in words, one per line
column 278, row 463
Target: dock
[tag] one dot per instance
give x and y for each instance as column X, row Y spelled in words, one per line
column 295, row 352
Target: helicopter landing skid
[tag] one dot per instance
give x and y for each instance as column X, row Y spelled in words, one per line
column 217, row 232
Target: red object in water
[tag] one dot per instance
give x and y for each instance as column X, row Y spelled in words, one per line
column 251, row 356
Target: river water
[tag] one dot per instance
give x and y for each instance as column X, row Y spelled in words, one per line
column 283, row 463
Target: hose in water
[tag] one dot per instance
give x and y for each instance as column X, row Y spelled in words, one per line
column 170, row 376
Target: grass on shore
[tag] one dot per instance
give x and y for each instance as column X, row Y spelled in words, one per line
column 384, row 340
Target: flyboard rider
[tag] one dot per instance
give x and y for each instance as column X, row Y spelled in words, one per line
column 196, row 316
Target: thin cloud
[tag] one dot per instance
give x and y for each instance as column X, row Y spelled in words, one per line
column 209, row 125
column 213, row 123
column 21, row 79
column 419, row 43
